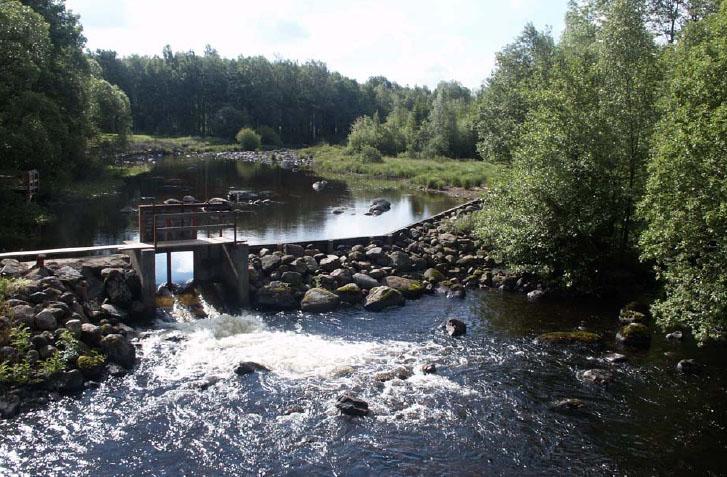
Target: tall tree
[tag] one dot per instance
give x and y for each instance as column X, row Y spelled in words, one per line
column 686, row 194
column 522, row 67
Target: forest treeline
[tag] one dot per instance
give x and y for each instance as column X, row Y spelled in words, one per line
column 614, row 134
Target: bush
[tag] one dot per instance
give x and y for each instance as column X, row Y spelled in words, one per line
column 367, row 131
column 269, row 137
column 370, row 155
column 248, row 139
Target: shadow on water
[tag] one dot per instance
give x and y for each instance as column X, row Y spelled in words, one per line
column 487, row 410
column 296, row 214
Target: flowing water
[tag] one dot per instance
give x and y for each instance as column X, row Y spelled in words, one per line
column 487, row 411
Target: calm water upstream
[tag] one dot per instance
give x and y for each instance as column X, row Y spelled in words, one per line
column 486, row 412
column 296, row 214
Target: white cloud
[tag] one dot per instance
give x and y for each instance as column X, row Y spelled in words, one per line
column 411, row 42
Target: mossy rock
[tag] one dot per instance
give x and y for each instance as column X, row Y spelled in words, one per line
column 383, row 297
column 634, row 334
column 632, row 316
column 569, row 337
column 350, row 293
column 92, row 367
column 409, row 288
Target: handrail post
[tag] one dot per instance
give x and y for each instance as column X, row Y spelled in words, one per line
column 154, row 228
column 235, row 230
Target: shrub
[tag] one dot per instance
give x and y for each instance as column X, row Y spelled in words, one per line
column 248, row 139
column 370, row 155
column 269, row 136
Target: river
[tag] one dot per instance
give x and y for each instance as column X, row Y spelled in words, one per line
column 487, row 410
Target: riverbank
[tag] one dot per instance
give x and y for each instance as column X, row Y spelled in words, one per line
column 463, row 178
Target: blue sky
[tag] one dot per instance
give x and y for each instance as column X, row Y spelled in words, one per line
column 410, row 42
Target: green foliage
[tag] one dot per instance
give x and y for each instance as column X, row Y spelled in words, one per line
column 370, row 155
column 20, row 339
column 435, row 173
column 110, row 111
column 18, row 373
column 565, row 210
column 43, row 88
column 522, row 69
column 684, row 205
column 248, row 139
column 91, row 359
column 53, row 364
column 464, row 224
column 69, row 344
column 369, row 132
column 269, row 137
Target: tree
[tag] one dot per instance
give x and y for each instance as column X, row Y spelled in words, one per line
column 668, row 17
column 686, row 192
column 565, row 211
column 506, row 99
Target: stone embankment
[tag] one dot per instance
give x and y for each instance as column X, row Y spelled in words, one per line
column 64, row 327
column 378, row 273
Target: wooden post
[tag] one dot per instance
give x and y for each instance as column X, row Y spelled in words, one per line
column 169, row 269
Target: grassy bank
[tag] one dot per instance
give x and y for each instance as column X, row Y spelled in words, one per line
column 435, row 173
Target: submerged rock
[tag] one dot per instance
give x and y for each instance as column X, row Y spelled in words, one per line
column 597, row 376
column 249, row 367
column 569, row 404
column 352, row 406
column 429, row 368
column 9, row 405
column 319, row 300
column 455, row 327
column 398, row 373
column 615, row 358
column 383, row 297
column 569, row 337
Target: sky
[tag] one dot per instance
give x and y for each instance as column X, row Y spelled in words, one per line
column 410, row 42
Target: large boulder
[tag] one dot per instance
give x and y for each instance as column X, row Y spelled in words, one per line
column 12, row 268
column 342, row 276
column 634, row 334
column 400, row 261
column 434, row 275
column 383, row 297
column 409, row 288
column 350, row 293
column 364, row 281
column 46, row 320
column 293, row 249
column 23, row 314
column 330, row 263
column 270, row 263
column 249, row 367
column 119, row 350
column 319, row 300
column 277, row 296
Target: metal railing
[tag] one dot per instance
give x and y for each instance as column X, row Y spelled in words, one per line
column 178, row 223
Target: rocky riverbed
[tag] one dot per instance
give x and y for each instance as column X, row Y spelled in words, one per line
column 64, row 327
column 381, row 273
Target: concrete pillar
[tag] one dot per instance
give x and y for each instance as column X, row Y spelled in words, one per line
column 144, row 263
column 234, row 269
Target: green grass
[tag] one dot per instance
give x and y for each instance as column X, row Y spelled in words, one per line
column 436, row 173
column 186, row 143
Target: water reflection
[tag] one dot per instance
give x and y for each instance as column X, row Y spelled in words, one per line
column 297, row 213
